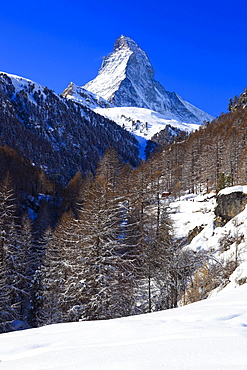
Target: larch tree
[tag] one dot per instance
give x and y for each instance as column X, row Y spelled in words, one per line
column 8, row 245
column 49, row 284
column 108, row 277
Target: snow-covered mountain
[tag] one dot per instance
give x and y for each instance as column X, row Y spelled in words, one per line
column 143, row 122
column 126, row 79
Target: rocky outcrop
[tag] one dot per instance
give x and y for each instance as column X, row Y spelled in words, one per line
column 194, row 232
column 230, row 202
column 84, row 97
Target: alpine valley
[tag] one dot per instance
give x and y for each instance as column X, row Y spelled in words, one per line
column 89, row 231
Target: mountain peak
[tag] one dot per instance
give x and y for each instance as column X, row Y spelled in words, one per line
column 126, row 79
column 125, row 42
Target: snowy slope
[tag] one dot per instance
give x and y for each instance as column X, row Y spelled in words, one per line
column 29, row 86
column 143, row 122
column 211, row 334
column 111, row 73
column 126, row 79
column 84, row 97
column 219, row 242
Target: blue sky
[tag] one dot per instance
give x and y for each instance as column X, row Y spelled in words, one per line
column 197, row 48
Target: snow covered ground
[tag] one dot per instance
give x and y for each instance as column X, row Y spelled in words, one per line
column 227, row 243
column 211, row 334
column 192, row 210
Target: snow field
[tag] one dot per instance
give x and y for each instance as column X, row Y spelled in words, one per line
column 211, row 334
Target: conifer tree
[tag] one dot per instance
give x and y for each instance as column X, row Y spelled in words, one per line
column 8, row 247
column 49, row 280
column 8, row 311
column 108, row 276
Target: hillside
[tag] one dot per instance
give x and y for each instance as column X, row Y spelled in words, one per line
column 56, row 134
column 210, row 334
column 215, row 150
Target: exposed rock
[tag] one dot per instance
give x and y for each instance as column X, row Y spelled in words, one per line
column 229, row 204
column 194, row 232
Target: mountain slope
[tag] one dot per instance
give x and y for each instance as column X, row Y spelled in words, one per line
column 55, row 133
column 143, row 122
column 84, row 97
column 126, row 79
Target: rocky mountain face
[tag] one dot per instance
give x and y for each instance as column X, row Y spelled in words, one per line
column 126, row 79
column 230, row 203
column 54, row 133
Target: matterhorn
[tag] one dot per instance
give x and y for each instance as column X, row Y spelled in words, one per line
column 126, row 79
column 126, row 92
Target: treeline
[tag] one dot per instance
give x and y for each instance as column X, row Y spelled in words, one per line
column 216, row 150
column 111, row 253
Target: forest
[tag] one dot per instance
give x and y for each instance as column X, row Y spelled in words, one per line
column 103, row 246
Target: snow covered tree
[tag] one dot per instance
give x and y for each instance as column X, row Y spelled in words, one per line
column 67, row 237
column 108, row 276
column 8, row 311
column 26, row 269
column 50, row 283
column 8, row 247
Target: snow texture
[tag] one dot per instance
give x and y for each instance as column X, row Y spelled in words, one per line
column 21, row 83
column 223, row 244
column 143, row 122
column 211, row 334
column 234, row 189
column 85, row 97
